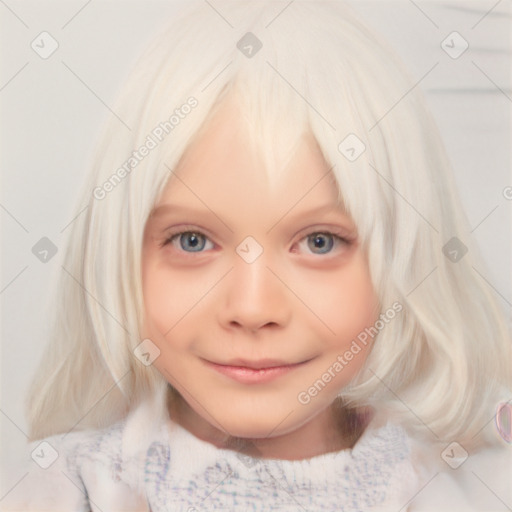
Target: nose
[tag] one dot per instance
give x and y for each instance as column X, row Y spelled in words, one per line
column 253, row 298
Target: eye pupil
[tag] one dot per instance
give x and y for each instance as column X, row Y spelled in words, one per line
column 321, row 241
column 192, row 241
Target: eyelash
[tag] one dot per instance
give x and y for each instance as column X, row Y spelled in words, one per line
column 339, row 238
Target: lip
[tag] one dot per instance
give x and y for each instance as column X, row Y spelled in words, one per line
column 260, row 364
column 254, row 372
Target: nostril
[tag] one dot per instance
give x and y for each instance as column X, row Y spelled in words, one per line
column 239, row 325
column 268, row 325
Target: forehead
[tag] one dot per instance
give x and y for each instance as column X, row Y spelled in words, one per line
column 225, row 166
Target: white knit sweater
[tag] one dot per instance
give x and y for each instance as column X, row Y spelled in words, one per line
column 169, row 469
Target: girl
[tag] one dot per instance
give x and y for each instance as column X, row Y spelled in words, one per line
column 268, row 304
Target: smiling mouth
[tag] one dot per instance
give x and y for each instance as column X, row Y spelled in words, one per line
column 254, row 372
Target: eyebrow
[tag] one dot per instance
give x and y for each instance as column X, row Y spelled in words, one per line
column 169, row 208
column 336, row 208
column 328, row 207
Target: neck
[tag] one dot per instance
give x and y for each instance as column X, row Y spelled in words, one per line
column 334, row 429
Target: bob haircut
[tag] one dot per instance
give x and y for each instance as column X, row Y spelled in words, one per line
column 319, row 71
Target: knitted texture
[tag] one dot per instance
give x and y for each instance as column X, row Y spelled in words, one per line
column 183, row 473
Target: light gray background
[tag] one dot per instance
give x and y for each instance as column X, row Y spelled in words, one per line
column 52, row 110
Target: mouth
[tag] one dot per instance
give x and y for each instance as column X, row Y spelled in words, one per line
column 254, row 372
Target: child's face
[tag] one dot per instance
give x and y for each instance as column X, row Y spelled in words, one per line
column 215, row 304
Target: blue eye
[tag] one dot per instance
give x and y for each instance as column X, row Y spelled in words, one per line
column 189, row 241
column 324, row 242
column 321, row 242
column 317, row 243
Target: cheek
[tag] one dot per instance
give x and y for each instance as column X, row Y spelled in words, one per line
column 164, row 297
column 172, row 302
column 351, row 305
column 166, row 302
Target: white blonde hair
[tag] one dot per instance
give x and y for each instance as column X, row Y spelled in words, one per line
column 319, row 71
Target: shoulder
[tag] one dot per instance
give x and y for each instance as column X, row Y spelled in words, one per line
column 467, row 480
column 80, row 471
column 46, row 470
column 435, row 476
